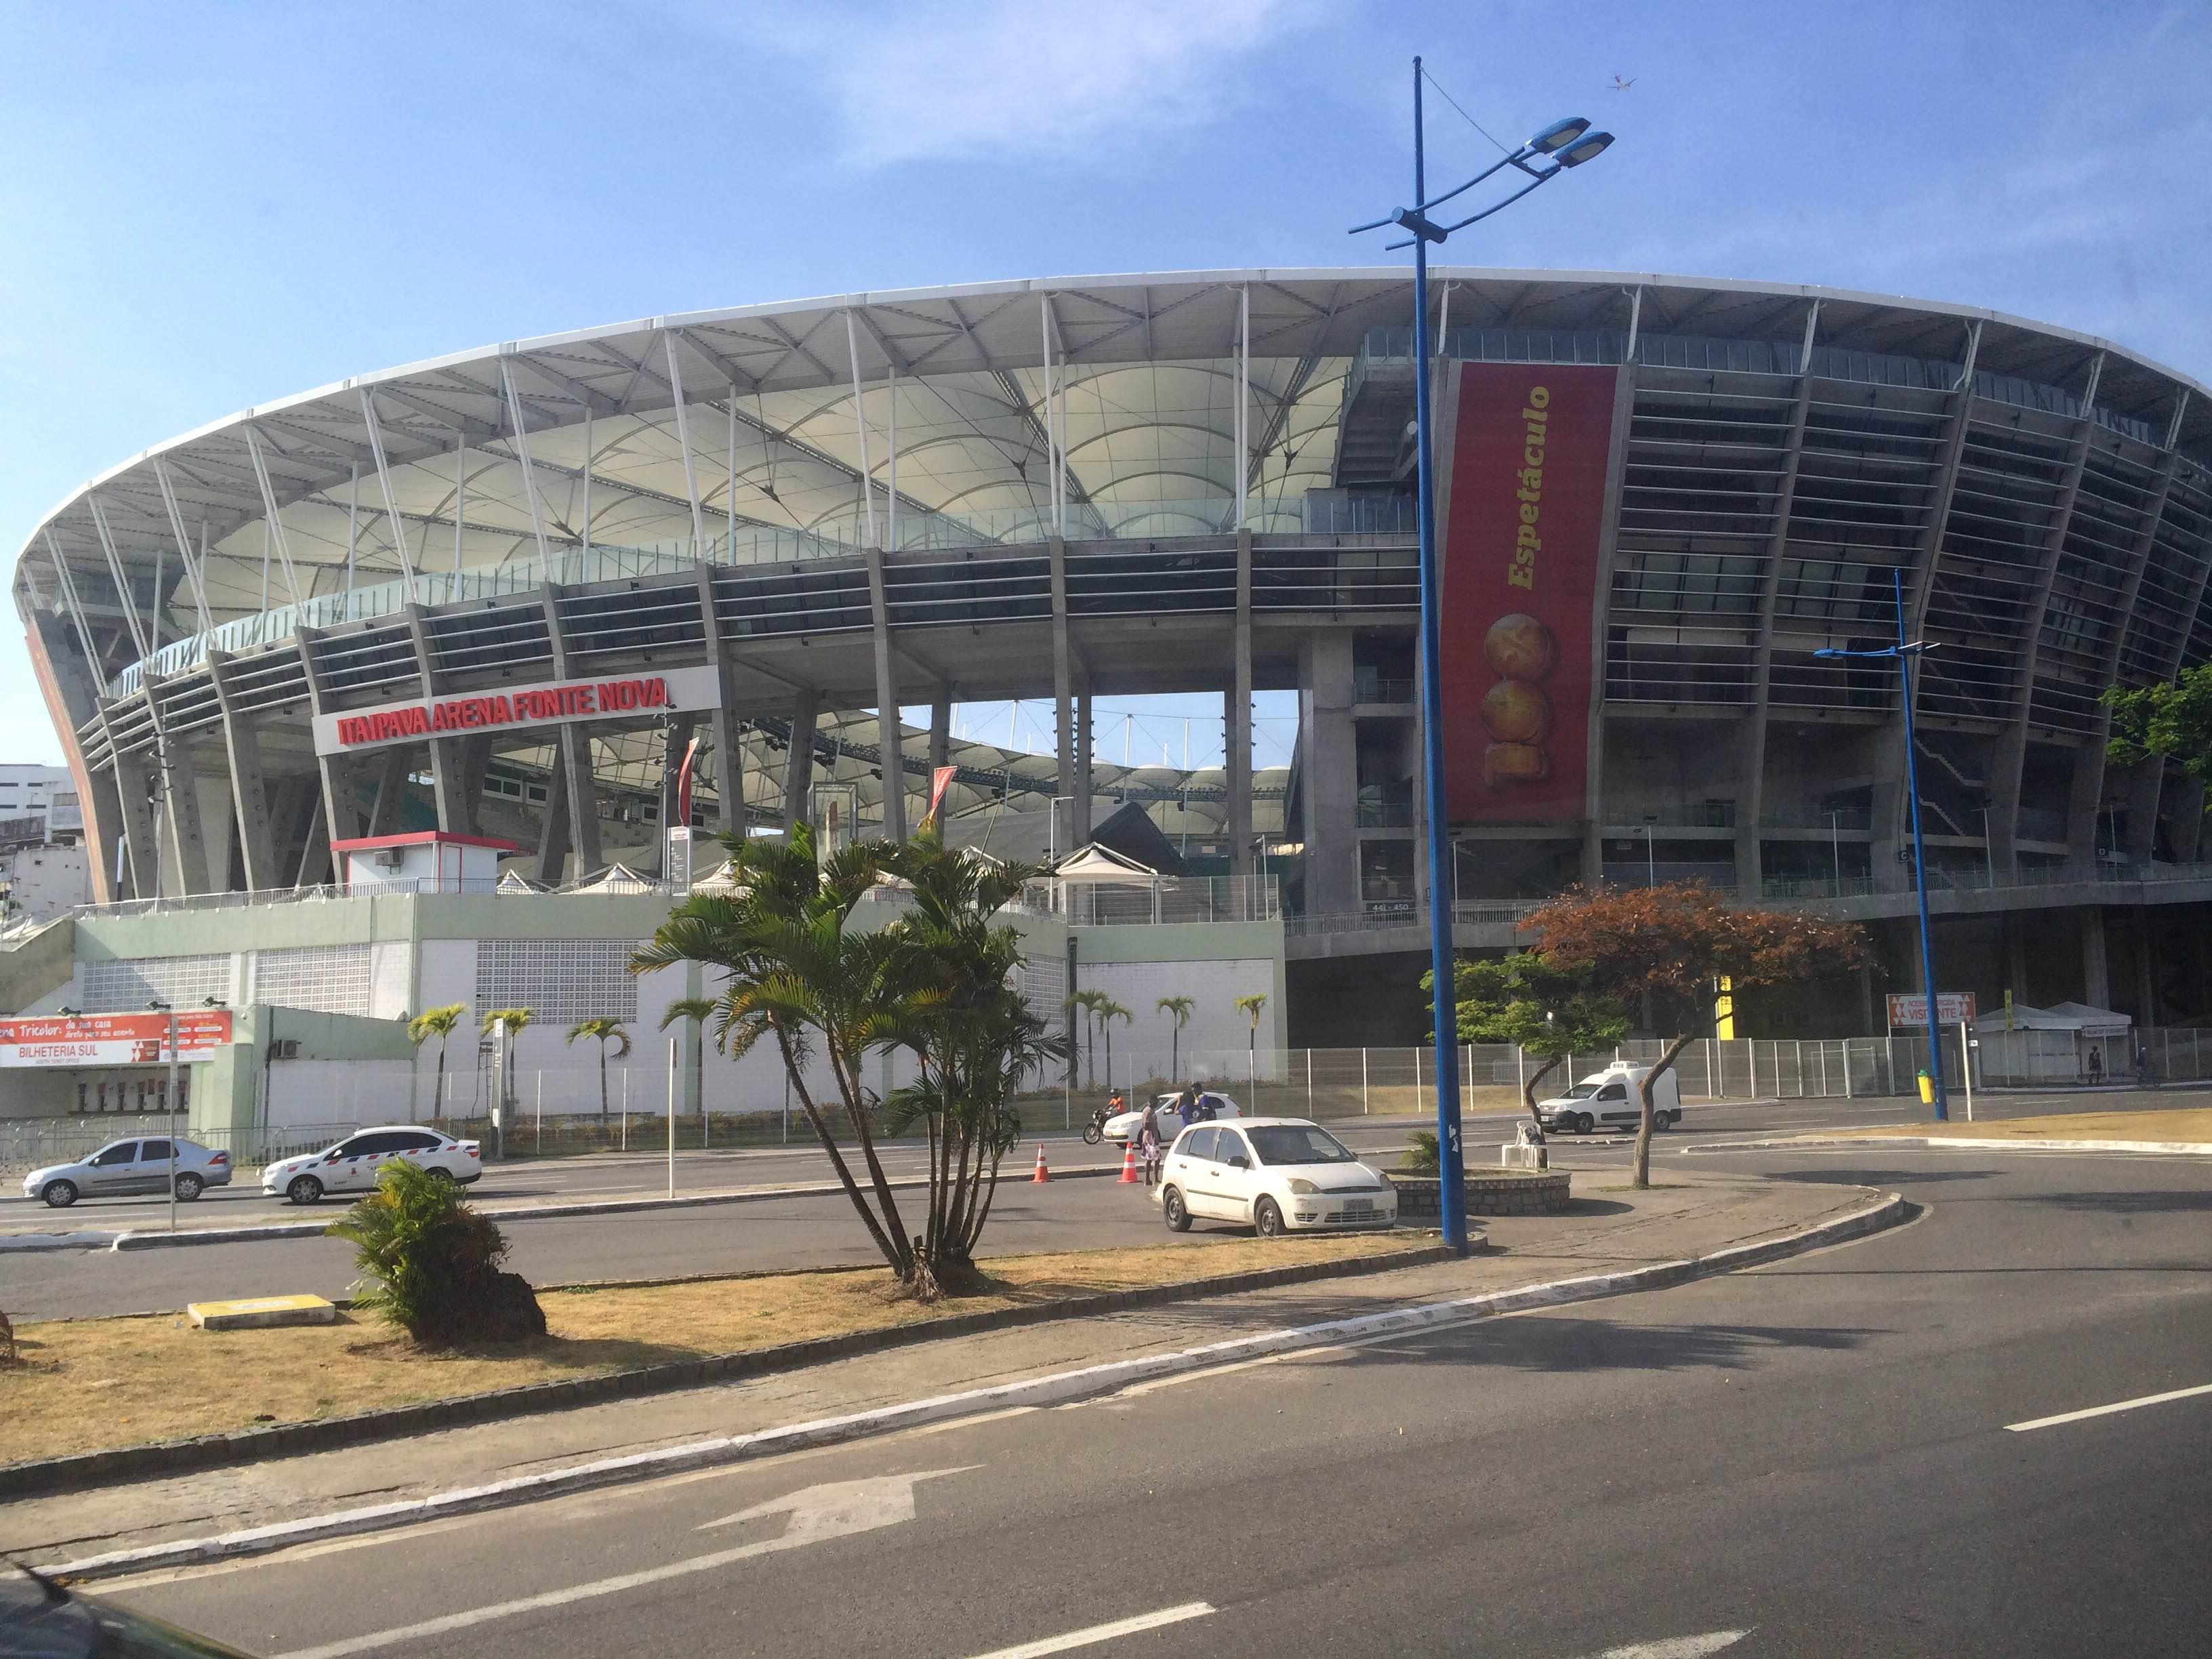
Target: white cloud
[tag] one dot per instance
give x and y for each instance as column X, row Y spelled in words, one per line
column 932, row 80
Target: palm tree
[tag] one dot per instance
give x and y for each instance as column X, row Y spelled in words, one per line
column 1250, row 1008
column 1109, row 1012
column 605, row 1031
column 1091, row 1002
column 507, row 1022
column 439, row 1023
column 1181, row 1008
column 790, row 970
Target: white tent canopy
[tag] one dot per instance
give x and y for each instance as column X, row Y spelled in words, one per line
column 2078, row 1017
column 1097, row 863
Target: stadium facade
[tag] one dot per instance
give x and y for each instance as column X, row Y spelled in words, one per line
column 500, row 594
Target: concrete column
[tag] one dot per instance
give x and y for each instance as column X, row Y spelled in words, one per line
column 681, row 730
column 2139, row 793
column 1328, row 779
column 1081, row 831
column 575, row 744
column 475, row 761
column 2015, row 950
column 798, row 759
column 2146, row 980
column 1624, row 412
column 940, row 729
column 341, row 790
column 2186, row 814
column 393, row 766
column 2096, row 974
column 186, row 865
column 1237, row 728
column 723, row 730
column 553, row 837
column 1891, row 820
column 889, row 733
column 448, row 761
column 249, row 789
column 1063, row 671
column 133, row 779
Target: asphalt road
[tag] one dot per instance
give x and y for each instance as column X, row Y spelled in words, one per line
column 621, row 1175
column 1817, row 1455
column 759, row 1235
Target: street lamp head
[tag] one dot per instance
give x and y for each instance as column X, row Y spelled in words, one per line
column 158, row 1006
column 1558, row 136
column 1585, row 150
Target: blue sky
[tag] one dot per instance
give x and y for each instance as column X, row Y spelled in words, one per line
column 208, row 205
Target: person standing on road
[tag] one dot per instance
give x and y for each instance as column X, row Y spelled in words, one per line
column 2143, row 1065
column 1148, row 1143
column 2096, row 1066
column 1186, row 1104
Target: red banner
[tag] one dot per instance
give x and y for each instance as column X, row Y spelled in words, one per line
column 1520, row 575
column 111, row 1039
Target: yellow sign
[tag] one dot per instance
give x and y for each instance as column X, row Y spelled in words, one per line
column 1723, row 1011
column 256, row 1310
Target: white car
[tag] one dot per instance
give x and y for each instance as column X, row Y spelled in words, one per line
column 1276, row 1175
column 1122, row 1129
column 352, row 1165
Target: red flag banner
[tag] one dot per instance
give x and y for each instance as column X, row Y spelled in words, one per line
column 1519, row 581
column 939, row 782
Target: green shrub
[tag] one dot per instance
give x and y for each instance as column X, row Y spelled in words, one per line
column 1422, row 1157
column 429, row 1264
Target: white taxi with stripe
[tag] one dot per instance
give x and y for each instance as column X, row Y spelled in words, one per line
column 352, row 1165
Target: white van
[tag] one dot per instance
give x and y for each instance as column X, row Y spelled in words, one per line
column 1611, row 1098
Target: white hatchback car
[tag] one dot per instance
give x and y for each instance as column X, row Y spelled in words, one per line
column 352, row 1165
column 1275, row 1174
column 1215, row 1104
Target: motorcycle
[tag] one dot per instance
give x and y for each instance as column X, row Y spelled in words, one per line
column 1095, row 1131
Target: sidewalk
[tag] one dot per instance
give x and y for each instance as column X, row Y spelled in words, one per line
column 1705, row 1213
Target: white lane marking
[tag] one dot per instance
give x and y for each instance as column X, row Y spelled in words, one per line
column 817, row 1513
column 1678, row 1647
column 1095, row 1633
column 2107, row 1410
column 840, row 1506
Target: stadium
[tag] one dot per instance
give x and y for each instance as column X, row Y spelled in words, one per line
column 491, row 602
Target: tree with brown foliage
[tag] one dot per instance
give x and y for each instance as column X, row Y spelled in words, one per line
column 1677, row 943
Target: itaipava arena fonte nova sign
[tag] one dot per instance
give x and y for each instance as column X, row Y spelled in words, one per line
column 553, row 702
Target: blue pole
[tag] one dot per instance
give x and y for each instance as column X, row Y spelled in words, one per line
column 1451, row 1188
column 1920, row 863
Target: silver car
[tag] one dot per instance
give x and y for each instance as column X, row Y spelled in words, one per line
column 124, row 1167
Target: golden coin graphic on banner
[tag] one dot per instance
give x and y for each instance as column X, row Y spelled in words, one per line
column 1516, row 712
column 1506, row 764
column 1519, row 647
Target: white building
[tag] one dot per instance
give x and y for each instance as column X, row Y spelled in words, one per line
column 44, row 793
column 45, row 881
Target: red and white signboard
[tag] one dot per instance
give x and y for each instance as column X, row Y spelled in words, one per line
column 554, row 702
column 1529, row 455
column 111, row 1039
column 1952, row 1007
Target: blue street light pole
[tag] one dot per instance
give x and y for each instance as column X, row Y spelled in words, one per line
column 1565, row 145
column 1904, row 654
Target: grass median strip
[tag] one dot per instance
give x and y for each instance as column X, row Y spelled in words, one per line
column 85, row 1385
column 2189, row 1124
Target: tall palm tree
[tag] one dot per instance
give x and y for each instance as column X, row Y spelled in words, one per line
column 603, row 1031
column 790, row 971
column 439, row 1023
column 508, row 1024
column 1089, row 1002
column 1181, row 1008
column 955, row 978
column 1109, row 1012
column 1250, row 1008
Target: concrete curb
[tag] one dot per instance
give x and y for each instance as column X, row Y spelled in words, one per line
column 129, row 1240
column 1967, row 1143
column 159, row 1457
column 1056, row 1389
column 26, row 1243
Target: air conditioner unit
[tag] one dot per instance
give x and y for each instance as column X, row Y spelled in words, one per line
column 284, row 1049
column 386, row 858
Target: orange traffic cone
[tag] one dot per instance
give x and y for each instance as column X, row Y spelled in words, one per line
column 1042, row 1174
column 1128, row 1164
